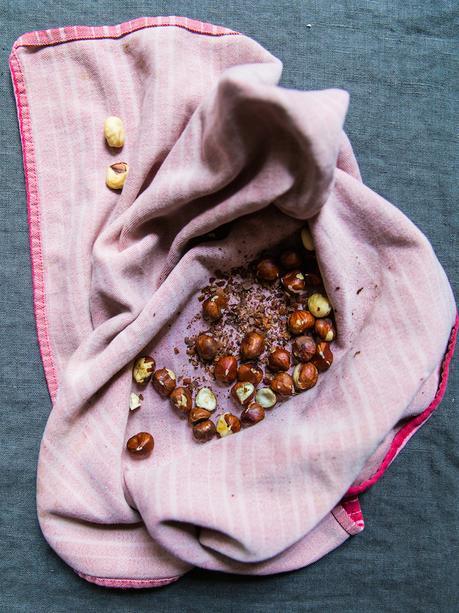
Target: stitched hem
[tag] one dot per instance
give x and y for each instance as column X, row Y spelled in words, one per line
column 128, row 583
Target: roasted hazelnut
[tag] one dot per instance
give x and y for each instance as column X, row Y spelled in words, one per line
column 140, row 444
column 116, row 175
column 319, row 305
column 279, row 359
column 251, row 373
column 306, row 239
column 164, row 381
column 206, row 347
column 282, row 384
column 197, row 415
column 205, row 399
column 252, row 345
column 290, row 259
column 305, row 376
column 182, row 400
column 228, row 424
column 323, row 357
column 252, row 414
column 294, row 282
column 114, row 131
column 267, row 270
column 135, row 401
column 312, row 280
column 325, row 330
column 300, row 321
column 266, row 397
column 226, row 369
column 304, row 348
column 204, row 431
column 143, row 369
column 243, row 393
column 212, row 308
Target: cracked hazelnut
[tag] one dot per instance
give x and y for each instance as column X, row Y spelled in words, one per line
column 205, row 399
column 252, row 345
column 252, row 414
column 305, row 376
column 266, row 397
column 204, row 431
column 282, row 384
column 135, row 401
column 228, row 424
column 304, row 348
column 206, row 347
column 300, row 321
column 116, row 175
column 212, row 308
column 143, row 369
column 294, row 282
column 140, row 444
column 251, row 373
column 323, row 357
column 267, row 270
column 325, row 330
column 279, row 359
column 290, row 259
column 306, row 239
column 243, row 393
column 182, row 400
column 226, row 369
column 114, row 131
column 164, row 381
column 319, row 305
column 196, row 415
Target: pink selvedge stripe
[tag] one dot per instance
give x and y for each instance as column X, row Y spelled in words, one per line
column 128, row 583
column 68, row 33
column 349, row 515
column 407, row 431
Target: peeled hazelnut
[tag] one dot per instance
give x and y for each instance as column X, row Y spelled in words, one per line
column 114, row 131
column 290, row 259
column 226, row 369
column 323, row 357
column 267, row 270
column 212, row 308
column 306, row 239
column 116, row 175
column 294, row 282
column 140, row 444
column 228, row 424
column 251, row 373
column 182, row 400
column 266, row 397
column 304, row 348
column 243, row 393
column 252, row 414
column 252, row 345
column 197, row 415
column 305, row 376
column 282, row 384
column 205, row 399
column 300, row 321
column 279, row 359
column 319, row 305
column 143, row 369
column 325, row 330
column 164, row 381
column 135, row 401
column 206, row 347
column 204, row 431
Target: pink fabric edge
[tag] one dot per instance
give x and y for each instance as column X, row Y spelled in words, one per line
column 128, row 583
column 348, row 514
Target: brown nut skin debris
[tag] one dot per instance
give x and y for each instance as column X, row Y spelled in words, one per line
column 304, row 348
column 282, row 384
column 252, row 345
column 143, row 369
column 300, row 321
column 243, row 393
column 182, row 399
column 141, row 444
column 325, row 329
column 251, row 373
column 226, row 369
column 294, row 282
column 305, row 376
column 206, row 347
column 267, row 270
column 164, row 381
column 279, row 359
column 196, row 415
column 204, row 431
column 252, row 414
column 291, row 259
column 323, row 357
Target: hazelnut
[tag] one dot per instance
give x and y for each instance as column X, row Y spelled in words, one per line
column 243, row 393
column 282, row 384
column 135, row 401
column 266, row 397
column 312, row 280
column 140, row 444
column 305, row 376
column 300, row 321
column 143, row 369
column 267, row 270
column 323, row 357
column 279, row 359
column 250, row 372
column 206, row 347
column 304, row 348
column 290, row 259
column 252, row 345
column 204, row 431
column 294, row 282
column 252, row 414
column 197, row 415
column 182, row 399
column 319, row 305
column 325, row 330
column 212, row 308
column 114, row 131
column 116, row 175
column 228, row 424
column 226, row 369
column 205, row 399
column 164, row 381
column 306, row 239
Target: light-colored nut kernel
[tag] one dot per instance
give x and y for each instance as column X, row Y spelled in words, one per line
column 319, row 305
column 116, row 175
column 243, row 392
column 135, row 401
column 205, row 399
column 114, row 131
column 143, row 369
column 227, row 424
column 266, row 397
column 306, row 239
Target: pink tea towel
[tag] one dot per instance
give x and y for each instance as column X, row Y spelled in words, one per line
column 211, row 141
